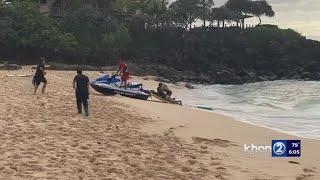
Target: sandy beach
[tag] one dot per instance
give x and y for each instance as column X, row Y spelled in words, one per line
column 42, row 137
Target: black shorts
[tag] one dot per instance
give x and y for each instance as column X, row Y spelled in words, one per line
column 38, row 80
column 82, row 95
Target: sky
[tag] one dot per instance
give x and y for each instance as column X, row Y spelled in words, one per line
column 300, row 15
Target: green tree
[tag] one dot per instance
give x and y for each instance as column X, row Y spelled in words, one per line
column 88, row 27
column 3, row 9
column 115, row 43
column 35, row 33
column 184, row 12
column 155, row 10
column 223, row 14
column 261, row 8
column 241, row 7
column 205, row 7
column 126, row 7
column 63, row 7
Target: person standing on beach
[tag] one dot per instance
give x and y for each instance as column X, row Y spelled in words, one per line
column 39, row 77
column 81, row 86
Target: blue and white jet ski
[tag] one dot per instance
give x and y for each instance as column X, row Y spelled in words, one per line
column 110, row 85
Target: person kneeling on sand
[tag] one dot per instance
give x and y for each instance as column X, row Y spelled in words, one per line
column 39, row 77
column 81, row 85
column 164, row 92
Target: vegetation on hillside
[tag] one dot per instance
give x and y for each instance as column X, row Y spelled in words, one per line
column 192, row 37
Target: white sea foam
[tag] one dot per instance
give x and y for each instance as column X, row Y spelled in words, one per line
column 289, row 106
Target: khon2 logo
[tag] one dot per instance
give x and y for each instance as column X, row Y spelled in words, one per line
column 286, row 148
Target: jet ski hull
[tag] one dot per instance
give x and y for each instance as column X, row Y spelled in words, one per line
column 113, row 90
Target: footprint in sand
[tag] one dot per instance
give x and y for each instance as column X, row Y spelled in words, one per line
column 186, row 169
column 192, row 161
column 191, row 156
column 221, row 172
column 204, row 147
column 308, row 173
column 92, row 160
column 2, row 168
column 215, row 164
column 84, row 147
column 304, row 176
column 215, row 158
column 219, row 176
column 306, row 170
column 214, row 142
column 221, row 168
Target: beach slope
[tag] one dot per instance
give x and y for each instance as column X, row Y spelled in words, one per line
column 42, row 137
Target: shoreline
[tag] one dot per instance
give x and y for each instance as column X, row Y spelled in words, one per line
column 123, row 138
column 253, row 124
column 177, row 88
column 153, row 83
column 259, row 125
column 185, row 126
column 189, row 128
column 221, row 114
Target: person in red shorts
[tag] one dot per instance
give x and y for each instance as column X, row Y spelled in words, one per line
column 124, row 79
column 124, row 73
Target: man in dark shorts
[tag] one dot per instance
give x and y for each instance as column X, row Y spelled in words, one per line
column 81, row 86
column 39, row 77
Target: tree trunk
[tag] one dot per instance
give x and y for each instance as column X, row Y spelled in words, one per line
column 157, row 22
column 223, row 23
column 259, row 21
column 204, row 17
column 243, row 23
column 218, row 23
column 190, row 16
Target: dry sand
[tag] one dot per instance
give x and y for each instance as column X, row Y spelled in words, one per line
column 42, row 137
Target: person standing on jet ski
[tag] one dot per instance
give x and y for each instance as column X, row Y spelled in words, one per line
column 124, row 73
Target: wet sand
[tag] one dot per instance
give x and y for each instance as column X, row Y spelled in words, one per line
column 42, row 137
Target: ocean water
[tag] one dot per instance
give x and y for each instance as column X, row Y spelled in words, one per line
column 288, row 106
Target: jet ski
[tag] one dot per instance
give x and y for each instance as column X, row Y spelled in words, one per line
column 110, row 85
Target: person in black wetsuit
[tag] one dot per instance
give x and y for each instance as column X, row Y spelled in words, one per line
column 39, row 77
column 81, row 86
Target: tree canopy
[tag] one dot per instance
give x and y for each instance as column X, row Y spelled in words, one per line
column 156, row 33
column 261, row 8
column 184, row 12
column 103, row 36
